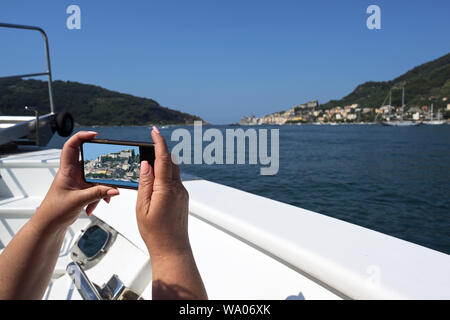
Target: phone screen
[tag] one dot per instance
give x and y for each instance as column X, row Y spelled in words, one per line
column 115, row 164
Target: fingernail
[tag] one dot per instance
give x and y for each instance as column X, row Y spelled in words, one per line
column 93, row 132
column 112, row 192
column 145, row 168
column 107, row 200
column 156, row 129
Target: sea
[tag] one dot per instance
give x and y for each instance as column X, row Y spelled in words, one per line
column 395, row 180
column 115, row 182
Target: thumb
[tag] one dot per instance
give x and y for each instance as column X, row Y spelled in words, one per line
column 97, row 193
column 146, row 179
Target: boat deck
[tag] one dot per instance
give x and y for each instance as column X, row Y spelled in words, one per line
column 245, row 246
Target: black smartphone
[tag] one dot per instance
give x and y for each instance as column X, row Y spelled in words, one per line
column 114, row 162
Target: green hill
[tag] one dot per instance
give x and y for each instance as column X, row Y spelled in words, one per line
column 431, row 79
column 89, row 104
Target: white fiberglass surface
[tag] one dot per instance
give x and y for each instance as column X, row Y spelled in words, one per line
column 230, row 268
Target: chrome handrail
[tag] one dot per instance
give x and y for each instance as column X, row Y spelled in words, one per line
column 112, row 290
column 85, row 287
column 47, row 52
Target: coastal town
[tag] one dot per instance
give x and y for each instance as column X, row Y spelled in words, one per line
column 312, row 112
column 123, row 166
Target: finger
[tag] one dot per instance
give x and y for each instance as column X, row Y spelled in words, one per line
column 107, row 200
column 176, row 173
column 96, row 193
column 163, row 160
column 91, row 207
column 145, row 190
column 70, row 153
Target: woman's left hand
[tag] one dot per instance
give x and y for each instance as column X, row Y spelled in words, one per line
column 69, row 193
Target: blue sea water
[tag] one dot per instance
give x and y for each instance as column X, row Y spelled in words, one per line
column 118, row 183
column 389, row 179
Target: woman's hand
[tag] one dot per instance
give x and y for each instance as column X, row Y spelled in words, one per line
column 27, row 263
column 162, row 214
column 162, row 204
column 69, row 193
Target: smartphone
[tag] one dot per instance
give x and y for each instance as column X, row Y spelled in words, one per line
column 114, row 162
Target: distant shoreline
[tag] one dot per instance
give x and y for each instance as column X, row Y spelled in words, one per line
column 237, row 125
column 140, row 125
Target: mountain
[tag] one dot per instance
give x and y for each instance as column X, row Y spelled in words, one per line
column 89, row 104
column 431, row 79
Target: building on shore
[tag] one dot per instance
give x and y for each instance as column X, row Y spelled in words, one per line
column 311, row 112
column 298, row 113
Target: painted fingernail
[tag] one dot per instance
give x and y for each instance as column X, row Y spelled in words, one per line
column 145, row 168
column 112, row 192
column 156, row 129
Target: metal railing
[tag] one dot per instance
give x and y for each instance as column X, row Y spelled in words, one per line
column 47, row 52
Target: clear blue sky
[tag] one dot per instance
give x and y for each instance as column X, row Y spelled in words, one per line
column 94, row 150
column 224, row 59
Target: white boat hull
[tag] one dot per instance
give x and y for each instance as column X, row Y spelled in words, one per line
column 245, row 246
column 401, row 123
column 434, row 122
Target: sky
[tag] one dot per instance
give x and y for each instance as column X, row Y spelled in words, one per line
column 92, row 151
column 221, row 59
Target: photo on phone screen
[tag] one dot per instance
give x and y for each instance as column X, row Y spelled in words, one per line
column 114, row 164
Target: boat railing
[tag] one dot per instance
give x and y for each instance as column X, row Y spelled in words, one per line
column 48, row 73
column 38, row 130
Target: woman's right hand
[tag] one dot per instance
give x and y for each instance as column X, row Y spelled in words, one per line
column 162, row 204
column 162, row 214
